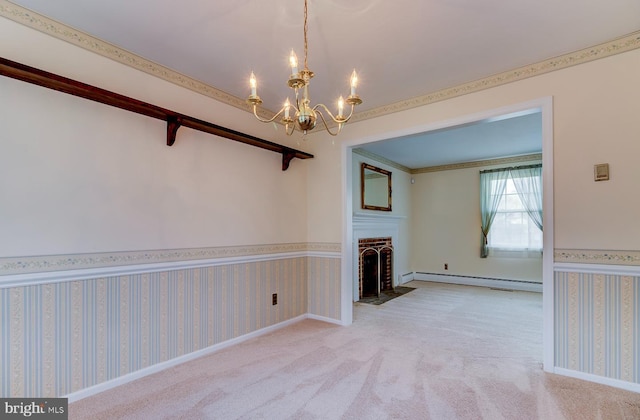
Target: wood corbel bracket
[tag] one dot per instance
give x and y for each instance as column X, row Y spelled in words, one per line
column 287, row 156
column 173, row 123
column 174, row 119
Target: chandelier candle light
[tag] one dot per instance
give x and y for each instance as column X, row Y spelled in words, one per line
column 305, row 116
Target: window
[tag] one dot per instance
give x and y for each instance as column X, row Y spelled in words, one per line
column 511, row 211
column 512, row 228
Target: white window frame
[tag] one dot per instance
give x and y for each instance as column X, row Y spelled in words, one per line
column 501, row 250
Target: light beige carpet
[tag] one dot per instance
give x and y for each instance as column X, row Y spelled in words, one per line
column 439, row 352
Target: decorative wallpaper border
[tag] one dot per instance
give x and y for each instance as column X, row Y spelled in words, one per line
column 76, row 37
column 593, row 256
column 49, row 263
column 83, row 40
column 617, row 46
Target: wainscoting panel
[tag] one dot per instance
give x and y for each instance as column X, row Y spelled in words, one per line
column 324, row 287
column 597, row 323
column 62, row 337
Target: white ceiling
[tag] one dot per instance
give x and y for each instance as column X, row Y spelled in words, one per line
column 401, row 49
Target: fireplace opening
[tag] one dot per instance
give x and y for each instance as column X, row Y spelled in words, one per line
column 376, row 266
column 369, row 273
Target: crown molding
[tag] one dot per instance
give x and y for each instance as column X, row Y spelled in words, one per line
column 619, row 45
column 58, row 30
column 83, row 40
column 453, row 166
column 380, row 159
column 479, row 163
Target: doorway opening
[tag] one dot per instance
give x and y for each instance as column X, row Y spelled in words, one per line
column 542, row 106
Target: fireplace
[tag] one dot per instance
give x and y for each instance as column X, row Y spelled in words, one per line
column 375, row 271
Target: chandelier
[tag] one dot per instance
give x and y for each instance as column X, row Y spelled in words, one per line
column 305, row 115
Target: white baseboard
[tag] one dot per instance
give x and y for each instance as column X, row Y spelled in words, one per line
column 93, row 390
column 325, row 319
column 480, row 281
column 617, row 383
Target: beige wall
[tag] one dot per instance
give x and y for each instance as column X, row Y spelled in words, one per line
column 446, row 229
column 81, row 177
column 86, row 177
column 594, row 121
column 324, row 189
column 596, row 114
column 180, row 247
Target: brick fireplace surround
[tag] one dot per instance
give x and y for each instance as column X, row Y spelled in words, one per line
column 369, row 250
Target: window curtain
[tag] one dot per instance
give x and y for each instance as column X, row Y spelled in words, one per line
column 528, row 183
column 492, row 184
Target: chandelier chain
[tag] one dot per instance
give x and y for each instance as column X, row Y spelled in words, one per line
column 306, row 67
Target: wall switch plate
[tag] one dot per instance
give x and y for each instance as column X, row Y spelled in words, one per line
column 601, row 172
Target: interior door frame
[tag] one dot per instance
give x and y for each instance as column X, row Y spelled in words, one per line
column 545, row 106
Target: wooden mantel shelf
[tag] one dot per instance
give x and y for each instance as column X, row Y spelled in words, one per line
column 174, row 119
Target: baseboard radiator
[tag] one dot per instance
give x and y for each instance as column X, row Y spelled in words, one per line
column 404, row 278
column 528, row 286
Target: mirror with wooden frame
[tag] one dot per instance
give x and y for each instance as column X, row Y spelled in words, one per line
column 375, row 188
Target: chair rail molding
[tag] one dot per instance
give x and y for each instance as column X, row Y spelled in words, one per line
column 595, row 256
column 24, row 271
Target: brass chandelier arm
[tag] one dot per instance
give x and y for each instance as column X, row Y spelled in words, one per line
column 266, row 120
column 339, row 119
column 286, row 127
column 288, row 121
column 324, row 122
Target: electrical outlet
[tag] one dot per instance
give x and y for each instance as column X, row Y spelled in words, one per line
column 446, row 266
column 274, row 299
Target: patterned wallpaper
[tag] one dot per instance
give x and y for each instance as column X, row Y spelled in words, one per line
column 597, row 324
column 324, row 287
column 62, row 337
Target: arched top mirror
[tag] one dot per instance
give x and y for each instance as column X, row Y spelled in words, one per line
column 375, row 188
